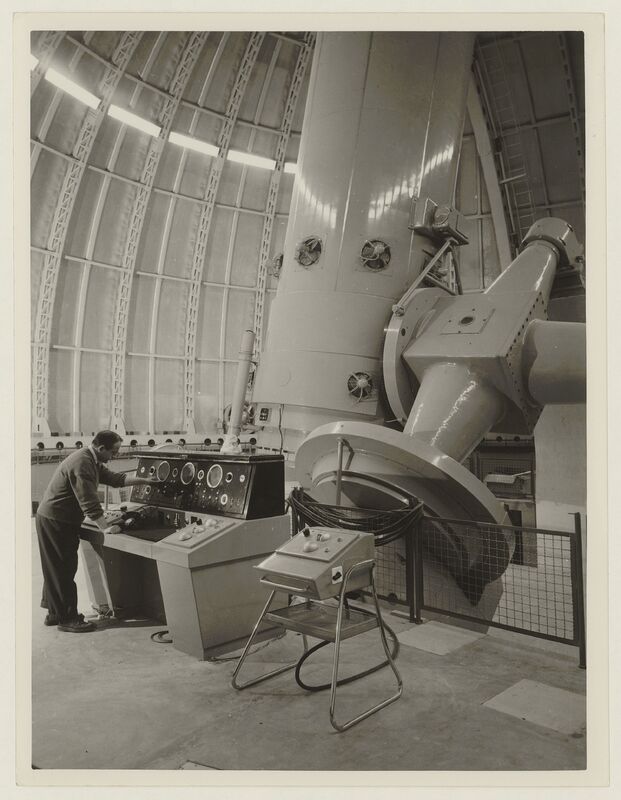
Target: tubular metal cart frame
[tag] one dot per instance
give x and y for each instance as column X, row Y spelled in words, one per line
column 334, row 624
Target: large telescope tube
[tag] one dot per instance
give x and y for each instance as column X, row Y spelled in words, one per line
column 383, row 125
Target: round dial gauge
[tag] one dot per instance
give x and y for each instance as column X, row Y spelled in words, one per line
column 187, row 473
column 214, row 476
column 163, row 470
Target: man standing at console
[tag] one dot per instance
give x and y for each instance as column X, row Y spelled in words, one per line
column 71, row 496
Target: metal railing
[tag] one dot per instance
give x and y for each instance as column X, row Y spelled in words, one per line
column 487, row 582
column 545, row 599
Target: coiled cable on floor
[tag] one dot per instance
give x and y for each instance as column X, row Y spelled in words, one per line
column 386, row 526
column 343, row 681
column 159, row 637
column 164, row 637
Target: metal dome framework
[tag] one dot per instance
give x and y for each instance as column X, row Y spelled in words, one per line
column 149, row 257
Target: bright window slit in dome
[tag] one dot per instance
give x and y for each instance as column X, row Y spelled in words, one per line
column 72, row 88
column 251, row 160
column 193, row 144
column 133, row 120
column 200, row 146
column 33, row 61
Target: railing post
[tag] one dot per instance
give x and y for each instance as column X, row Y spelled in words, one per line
column 579, row 593
column 410, row 595
column 418, row 596
column 339, row 472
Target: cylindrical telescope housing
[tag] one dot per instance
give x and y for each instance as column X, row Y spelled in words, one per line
column 454, row 409
column 231, row 443
column 469, row 357
column 550, row 242
column 554, row 362
column 383, row 124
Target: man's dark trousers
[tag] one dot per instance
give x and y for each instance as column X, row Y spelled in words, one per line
column 58, row 548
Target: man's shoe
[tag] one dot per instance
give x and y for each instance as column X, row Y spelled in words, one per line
column 52, row 619
column 78, row 625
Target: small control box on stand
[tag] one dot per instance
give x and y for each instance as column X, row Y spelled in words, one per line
column 319, row 564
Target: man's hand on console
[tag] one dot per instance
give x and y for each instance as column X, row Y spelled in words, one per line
column 135, row 481
column 113, row 529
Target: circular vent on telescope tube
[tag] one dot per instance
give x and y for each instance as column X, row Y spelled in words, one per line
column 360, row 385
column 308, row 251
column 375, row 254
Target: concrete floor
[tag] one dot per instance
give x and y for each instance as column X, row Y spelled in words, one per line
column 114, row 699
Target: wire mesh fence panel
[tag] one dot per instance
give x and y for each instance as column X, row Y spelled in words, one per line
column 540, row 599
column 391, row 574
column 465, row 570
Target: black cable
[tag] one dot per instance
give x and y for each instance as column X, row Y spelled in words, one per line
column 322, row 686
column 387, row 526
column 158, row 637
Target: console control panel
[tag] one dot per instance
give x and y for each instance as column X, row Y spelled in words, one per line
column 196, row 533
column 240, row 486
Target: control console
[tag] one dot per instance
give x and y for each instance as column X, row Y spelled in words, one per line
column 183, row 549
column 232, row 485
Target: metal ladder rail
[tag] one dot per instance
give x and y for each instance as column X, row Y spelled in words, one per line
column 515, row 178
column 514, row 174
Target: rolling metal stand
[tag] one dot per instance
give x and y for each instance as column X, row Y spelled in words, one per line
column 327, row 622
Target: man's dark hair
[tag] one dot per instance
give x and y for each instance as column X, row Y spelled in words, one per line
column 106, row 438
